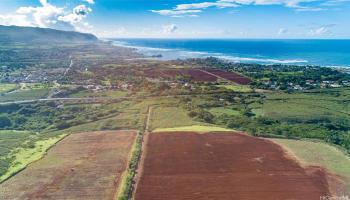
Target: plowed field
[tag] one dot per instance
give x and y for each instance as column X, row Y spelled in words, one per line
column 223, row 166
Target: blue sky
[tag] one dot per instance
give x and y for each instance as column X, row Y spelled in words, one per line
column 185, row 18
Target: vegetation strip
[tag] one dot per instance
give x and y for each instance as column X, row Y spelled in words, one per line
column 130, row 181
column 195, row 128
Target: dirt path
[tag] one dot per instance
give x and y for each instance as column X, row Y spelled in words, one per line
column 219, row 77
column 224, row 166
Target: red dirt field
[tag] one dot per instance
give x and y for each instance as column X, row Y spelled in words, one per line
column 82, row 166
column 223, row 166
column 195, row 74
column 234, row 77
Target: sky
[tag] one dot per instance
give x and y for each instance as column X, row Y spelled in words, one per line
column 274, row 19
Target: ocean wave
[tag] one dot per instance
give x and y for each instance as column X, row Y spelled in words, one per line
column 262, row 60
column 140, row 48
column 170, row 54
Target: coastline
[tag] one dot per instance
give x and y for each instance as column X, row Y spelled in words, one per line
column 168, row 54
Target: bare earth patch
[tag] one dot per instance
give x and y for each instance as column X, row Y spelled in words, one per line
column 223, row 166
column 82, row 166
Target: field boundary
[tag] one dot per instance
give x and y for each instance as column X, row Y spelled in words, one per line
column 129, row 183
column 139, row 169
column 122, row 182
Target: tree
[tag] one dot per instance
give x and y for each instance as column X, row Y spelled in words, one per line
column 5, row 122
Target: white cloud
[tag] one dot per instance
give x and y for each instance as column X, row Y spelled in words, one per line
column 168, row 29
column 205, row 5
column 298, row 5
column 47, row 16
column 90, row 1
column 177, row 13
column 78, row 14
column 309, row 9
column 319, row 31
column 17, row 20
column 82, row 10
column 282, row 31
column 324, row 30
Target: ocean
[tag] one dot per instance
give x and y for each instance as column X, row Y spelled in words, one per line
column 332, row 53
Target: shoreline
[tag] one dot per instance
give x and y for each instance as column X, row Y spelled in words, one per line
column 170, row 54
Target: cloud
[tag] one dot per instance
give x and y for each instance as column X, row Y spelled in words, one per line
column 282, row 31
column 334, row 2
column 168, row 29
column 17, row 20
column 324, row 30
column 90, row 1
column 204, row 5
column 177, row 13
column 192, row 9
column 82, row 10
column 78, row 14
column 298, row 5
column 48, row 16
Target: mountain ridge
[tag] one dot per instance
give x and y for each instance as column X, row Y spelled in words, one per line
column 10, row 34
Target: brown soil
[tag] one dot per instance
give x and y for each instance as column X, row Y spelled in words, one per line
column 232, row 76
column 194, row 74
column 223, row 166
column 82, row 166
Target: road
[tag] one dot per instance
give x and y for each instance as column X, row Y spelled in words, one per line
column 100, row 98
column 63, row 99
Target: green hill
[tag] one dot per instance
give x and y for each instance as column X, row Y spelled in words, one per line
column 10, row 34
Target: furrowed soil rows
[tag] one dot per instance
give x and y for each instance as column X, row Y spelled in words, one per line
column 223, row 166
column 194, row 74
column 82, row 166
column 234, row 77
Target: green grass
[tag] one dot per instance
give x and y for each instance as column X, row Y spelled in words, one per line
column 304, row 107
column 170, row 117
column 195, row 128
column 320, row 154
column 25, row 156
column 7, row 87
column 224, row 110
column 10, row 139
column 25, row 95
column 109, row 93
column 237, row 88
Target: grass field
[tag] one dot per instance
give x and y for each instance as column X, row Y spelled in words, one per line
column 25, row 156
column 194, row 128
column 111, row 93
column 170, row 117
column 7, row 87
column 304, row 106
column 237, row 88
column 223, row 110
column 320, row 154
column 25, row 95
